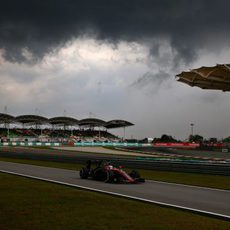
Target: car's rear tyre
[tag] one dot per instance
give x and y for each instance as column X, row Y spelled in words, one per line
column 84, row 173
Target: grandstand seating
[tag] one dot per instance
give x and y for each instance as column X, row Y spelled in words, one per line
column 59, row 128
column 60, row 135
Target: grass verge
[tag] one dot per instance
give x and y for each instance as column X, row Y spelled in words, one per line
column 32, row 204
column 203, row 180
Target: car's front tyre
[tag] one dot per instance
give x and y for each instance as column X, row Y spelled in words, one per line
column 134, row 174
column 109, row 177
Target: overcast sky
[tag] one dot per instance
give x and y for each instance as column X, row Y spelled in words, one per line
column 116, row 59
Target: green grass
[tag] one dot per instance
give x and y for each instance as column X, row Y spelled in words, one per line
column 71, row 166
column 204, row 180
column 32, row 204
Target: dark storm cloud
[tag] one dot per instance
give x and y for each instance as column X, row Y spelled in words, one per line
column 41, row 25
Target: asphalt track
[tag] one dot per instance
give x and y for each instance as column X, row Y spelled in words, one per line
column 205, row 200
column 58, row 155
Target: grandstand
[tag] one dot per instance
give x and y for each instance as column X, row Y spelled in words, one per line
column 57, row 129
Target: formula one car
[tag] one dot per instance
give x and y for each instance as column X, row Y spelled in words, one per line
column 105, row 171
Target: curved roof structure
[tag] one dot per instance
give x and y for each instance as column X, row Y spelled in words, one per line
column 93, row 122
column 34, row 119
column 117, row 124
column 215, row 77
column 63, row 121
column 6, row 118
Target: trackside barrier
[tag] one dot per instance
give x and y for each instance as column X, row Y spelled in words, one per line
column 78, row 144
column 179, row 145
column 22, row 143
column 110, row 144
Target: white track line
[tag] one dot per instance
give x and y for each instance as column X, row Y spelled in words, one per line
column 121, row 195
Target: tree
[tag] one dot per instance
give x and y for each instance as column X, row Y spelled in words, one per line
column 227, row 139
column 196, row 138
column 167, row 138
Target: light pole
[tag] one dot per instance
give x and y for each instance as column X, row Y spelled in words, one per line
column 8, row 132
column 124, row 134
column 192, row 129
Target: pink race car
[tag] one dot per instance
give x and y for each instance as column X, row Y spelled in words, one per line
column 105, row 171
